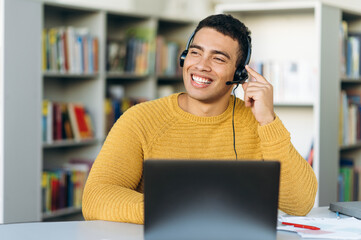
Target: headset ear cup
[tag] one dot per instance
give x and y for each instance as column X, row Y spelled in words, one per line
column 183, row 57
column 237, row 75
column 240, row 76
column 244, row 75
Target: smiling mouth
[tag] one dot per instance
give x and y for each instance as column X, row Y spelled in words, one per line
column 201, row 80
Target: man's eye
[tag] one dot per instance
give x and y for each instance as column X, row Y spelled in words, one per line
column 195, row 53
column 219, row 59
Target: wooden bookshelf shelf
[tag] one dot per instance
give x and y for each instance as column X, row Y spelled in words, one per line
column 350, row 147
column 69, row 75
column 351, row 80
column 170, row 78
column 70, row 143
column 174, row 21
column 291, row 104
column 61, row 212
column 125, row 76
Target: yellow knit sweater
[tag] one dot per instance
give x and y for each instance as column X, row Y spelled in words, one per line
column 161, row 129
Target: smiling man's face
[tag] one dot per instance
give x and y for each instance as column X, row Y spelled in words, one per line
column 210, row 63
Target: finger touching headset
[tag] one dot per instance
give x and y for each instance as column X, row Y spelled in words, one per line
column 240, row 75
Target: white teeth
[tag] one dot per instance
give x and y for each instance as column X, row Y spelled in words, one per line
column 200, row 80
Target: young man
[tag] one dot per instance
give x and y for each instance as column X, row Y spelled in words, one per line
column 198, row 125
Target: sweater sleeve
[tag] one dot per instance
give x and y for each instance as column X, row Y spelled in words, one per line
column 298, row 183
column 110, row 192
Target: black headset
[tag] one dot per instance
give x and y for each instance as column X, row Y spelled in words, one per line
column 241, row 74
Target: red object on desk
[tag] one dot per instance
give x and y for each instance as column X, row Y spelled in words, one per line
column 301, row 226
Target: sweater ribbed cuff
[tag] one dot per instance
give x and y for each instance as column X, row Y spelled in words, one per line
column 273, row 131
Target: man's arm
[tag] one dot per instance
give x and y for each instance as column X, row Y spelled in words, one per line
column 110, row 193
column 298, row 184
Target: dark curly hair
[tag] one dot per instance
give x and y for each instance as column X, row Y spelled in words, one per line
column 232, row 27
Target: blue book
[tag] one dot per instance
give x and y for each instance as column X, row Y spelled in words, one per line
column 90, row 54
column 70, row 189
column 349, row 59
column 117, row 109
column 81, row 54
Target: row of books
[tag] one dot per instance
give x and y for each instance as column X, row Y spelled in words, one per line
column 65, row 121
column 134, row 54
column 63, row 188
column 350, row 117
column 70, row 50
column 350, row 52
column 114, row 108
column 167, row 57
column 292, row 81
column 349, row 181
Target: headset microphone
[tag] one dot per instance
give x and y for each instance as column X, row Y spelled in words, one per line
column 232, row 82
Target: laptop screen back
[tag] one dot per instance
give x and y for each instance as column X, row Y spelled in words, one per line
column 210, row 199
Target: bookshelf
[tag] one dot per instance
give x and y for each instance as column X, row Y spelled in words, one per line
column 312, row 117
column 175, row 33
column 318, row 119
column 81, row 85
column 20, row 158
column 350, row 86
column 26, row 89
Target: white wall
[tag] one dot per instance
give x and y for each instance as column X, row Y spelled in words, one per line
column 187, row 9
column 21, row 107
column 352, row 4
column 1, row 111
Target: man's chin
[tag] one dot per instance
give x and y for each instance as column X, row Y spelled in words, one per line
column 203, row 98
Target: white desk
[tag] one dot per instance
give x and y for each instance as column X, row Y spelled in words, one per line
column 102, row 230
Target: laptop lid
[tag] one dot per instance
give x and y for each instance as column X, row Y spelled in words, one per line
column 210, row 199
column 352, row 209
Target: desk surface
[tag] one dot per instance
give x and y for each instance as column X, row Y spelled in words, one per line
column 102, row 230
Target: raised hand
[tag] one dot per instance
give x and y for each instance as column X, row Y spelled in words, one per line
column 258, row 95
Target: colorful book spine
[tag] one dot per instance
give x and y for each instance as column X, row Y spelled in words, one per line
column 114, row 108
column 292, row 80
column 167, row 54
column 134, row 53
column 65, row 121
column 350, row 117
column 63, row 188
column 69, row 50
column 349, row 181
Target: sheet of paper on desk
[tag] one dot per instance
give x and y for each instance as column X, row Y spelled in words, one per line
column 331, row 228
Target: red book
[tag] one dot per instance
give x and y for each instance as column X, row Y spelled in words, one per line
column 80, row 116
column 54, row 192
column 57, row 122
column 66, row 57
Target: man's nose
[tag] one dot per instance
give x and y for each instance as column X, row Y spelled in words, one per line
column 203, row 64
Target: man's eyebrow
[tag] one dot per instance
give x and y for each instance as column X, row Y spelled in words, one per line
column 222, row 53
column 213, row 51
column 196, row 46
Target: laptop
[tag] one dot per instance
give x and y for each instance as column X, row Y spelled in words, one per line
column 210, row 199
column 352, row 209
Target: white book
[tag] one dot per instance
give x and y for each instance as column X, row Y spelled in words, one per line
column 70, row 35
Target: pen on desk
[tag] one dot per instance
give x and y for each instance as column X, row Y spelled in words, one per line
column 301, row 226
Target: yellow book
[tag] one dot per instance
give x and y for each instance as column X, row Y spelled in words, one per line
column 44, row 45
